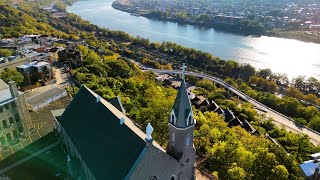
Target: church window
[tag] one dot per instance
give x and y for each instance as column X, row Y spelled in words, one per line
column 173, row 177
column 190, row 122
column 153, row 178
column 188, row 140
column 173, row 138
column 172, row 118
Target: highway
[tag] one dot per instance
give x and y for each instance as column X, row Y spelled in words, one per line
column 279, row 119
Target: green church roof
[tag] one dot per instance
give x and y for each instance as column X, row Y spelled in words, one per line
column 182, row 107
column 108, row 148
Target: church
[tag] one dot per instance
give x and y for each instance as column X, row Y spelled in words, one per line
column 102, row 143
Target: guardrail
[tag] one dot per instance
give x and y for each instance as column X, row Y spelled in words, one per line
column 236, row 91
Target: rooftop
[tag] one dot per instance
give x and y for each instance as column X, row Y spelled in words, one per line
column 182, row 106
column 25, row 66
column 36, row 99
column 94, row 127
column 5, row 94
column 40, row 64
column 309, row 167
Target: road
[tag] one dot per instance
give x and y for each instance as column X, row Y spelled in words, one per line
column 279, row 119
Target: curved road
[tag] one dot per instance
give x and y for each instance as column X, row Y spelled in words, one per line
column 279, row 119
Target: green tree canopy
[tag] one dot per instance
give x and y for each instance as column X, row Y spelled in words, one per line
column 10, row 75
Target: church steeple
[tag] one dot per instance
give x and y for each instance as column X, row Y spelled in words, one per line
column 181, row 115
column 181, row 127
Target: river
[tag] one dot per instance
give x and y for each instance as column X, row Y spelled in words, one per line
column 281, row 55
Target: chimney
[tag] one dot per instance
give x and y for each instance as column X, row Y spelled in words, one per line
column 13, row 89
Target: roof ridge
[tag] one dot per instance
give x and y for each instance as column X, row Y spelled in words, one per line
column 128, row 122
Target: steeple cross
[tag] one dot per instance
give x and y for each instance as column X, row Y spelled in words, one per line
column 183, row 70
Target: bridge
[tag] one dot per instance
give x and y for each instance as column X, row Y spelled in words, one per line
column 278, row 118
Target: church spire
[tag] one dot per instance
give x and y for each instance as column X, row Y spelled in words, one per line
column 183, row 71
column 181, row 128
column 181, row 115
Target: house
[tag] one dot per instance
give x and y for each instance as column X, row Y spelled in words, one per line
column 248, row 127
column 191, row 95
column 102, row 143
column 12, row 62
column 163, row 77
column 54, row 53
column 15, row 119
column 235, row 122
column 200, row 101
column 228, row 114
column 311, row 169
column 219, row 111
column 213, row 106
column 35, row 72
column 72, row 55
column 43, row 99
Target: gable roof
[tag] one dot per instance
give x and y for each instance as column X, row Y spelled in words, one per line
column 182, row 106
column 214, row 106
column 228, row 115
column 116, row 102
column 235, row 122
column 108, row 148
column 309, row 167
column 219, row 110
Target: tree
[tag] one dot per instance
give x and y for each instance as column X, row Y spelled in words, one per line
column 294, row 92
column 203, row 17
column 60, row 6
column 84, row 50
column 93, row 57
column 315, row 123
column 236, row 173
column 5, row 52
column 280, row 172
column 263, row 165
column 120, row 68
column 313, row 85
column 311, row 98
column 299, row 83
column 265, row 73
column 247, row 71
column 181, row 17
column 10, row 75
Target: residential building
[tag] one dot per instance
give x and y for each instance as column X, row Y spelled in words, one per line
column 43, row 99
column 35, row 72
column 12, row 62
column 14, row 117
column 72, row 55
column 102, row 143
column 311, row 169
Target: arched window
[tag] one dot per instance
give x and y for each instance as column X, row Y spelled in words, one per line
column 188, row 139
column 190, row 120
column 173, row 138
column 172, row 118
column 153, row 178
column 173, row 177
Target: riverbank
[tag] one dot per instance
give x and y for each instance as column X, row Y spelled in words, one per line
column 304, row 36
column 263, row 52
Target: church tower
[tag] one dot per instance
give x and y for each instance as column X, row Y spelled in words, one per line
column 181, row 127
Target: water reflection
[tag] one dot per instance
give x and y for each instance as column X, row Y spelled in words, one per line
column 281, row 55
